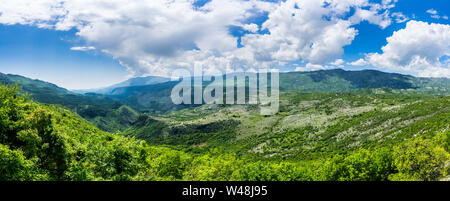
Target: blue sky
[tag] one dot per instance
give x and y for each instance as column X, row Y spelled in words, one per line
column 41, row 52
column 371, row 38
column 45, row 54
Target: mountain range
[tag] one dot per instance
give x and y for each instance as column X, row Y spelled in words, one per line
column 106, row 113
column 116, row 107
column 137, row 81
column 332, row 125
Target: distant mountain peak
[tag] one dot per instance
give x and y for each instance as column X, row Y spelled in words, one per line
column 136, row 81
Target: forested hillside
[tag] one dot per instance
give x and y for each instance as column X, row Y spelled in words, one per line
column 155, row 98
column 115, row 108
column 105, row 113
column 50, row 142
column 309, row 124
column 339, row 80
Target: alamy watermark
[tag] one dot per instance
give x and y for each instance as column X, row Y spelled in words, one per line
column 254, row 88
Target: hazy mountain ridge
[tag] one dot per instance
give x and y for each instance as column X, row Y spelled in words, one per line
column 156, row 98
column 340, row 80
column 101, row 110
column 137, row 81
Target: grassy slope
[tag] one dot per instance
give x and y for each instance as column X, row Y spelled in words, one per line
column 309, row 124
column 361, row 135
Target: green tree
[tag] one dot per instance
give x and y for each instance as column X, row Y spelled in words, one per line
column 15, row 167
column 419, row 159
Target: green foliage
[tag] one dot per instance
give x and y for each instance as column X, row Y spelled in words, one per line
column 15, row 167
column 419, row 159
column 50, row 142
column 263, row 171
column 102, row 111
column 40, row 142
column 362, row 165
column 413, row 160
column 347, row 145
column 214, row 167
column 171, row 166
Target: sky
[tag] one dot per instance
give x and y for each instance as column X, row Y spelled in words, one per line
column 83, row 44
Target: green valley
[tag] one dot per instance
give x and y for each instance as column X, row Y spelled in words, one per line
column 332, row 126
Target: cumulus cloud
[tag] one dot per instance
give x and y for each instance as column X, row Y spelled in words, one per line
column 307, row 30
column 359, row 62
column 39, row 13
column 420, row 48
column 251, row 27
column 338, row 62
column 157, row 36
column 312, row 67
column 372, row 16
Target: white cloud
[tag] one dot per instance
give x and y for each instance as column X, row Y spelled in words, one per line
column 312, row 67
column 251, row 27
column 419, row 48
column 338, row 62
column 309, row 31
column 315, row 66
column 434, row 14
column 82, row 48
column 388, row 3
column 399, row 17
column 38, row 13
column 372, row 16
column 157, row 36
column 432, row 11
column 359, row 62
